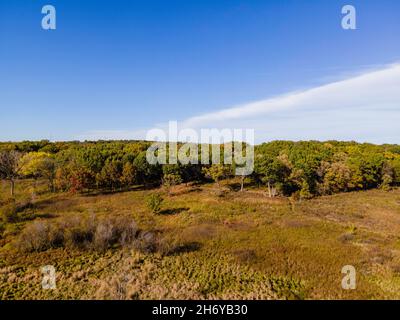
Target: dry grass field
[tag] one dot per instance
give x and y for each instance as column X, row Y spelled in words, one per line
column 211, row 243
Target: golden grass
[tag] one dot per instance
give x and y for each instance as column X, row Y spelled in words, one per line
column 227, row 245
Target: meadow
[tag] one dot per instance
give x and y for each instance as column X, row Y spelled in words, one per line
column 208, row 241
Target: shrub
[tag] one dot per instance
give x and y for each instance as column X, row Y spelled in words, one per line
column 78, row 237
column 305, row 191
column 89, row 233
column 113, row 231
column 126, row 230
column 146, row 242
column 387, row 182
column 153, row 202
column 35, row 237
column 103, row 235
column 171, row 179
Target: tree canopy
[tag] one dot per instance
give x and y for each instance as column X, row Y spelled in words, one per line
column 305, row 168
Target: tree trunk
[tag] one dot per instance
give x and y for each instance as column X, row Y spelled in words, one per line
column 269, row 190
column 52, row 187
column 12, row 183
column 241, row 184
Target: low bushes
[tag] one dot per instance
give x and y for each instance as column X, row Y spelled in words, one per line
column 90, row 233
column 108, row 232
column 153, row 202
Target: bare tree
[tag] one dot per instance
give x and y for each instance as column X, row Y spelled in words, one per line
column 9, row 167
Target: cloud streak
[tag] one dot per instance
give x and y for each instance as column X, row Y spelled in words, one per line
column 365, row 107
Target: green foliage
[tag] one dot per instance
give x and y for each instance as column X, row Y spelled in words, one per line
column 129, row 174
column 110, row 175
column 305, row 192
column 273, row 171
column 171, row 175
column 282, row 167
column 153, row 202
column 147, row 173
column 325, row 168
column 217, row 172
column 395, row 164
column 171, row 179
column 339, row 176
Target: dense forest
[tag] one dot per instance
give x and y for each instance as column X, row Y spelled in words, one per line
column 300, row 169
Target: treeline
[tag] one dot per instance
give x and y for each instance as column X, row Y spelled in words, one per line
column 320, row 168
column 302, row 169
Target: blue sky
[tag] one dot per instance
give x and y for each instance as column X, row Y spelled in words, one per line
column 113, row 69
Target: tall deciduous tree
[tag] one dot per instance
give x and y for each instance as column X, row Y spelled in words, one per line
column 39, row 165
column 9, row 167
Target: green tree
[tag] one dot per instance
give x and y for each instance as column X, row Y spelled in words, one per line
column 147, row 173
column 216, row 172
column 129, row 174
column 395, row 164
column 110, row 175
column 153, row 202
column 338, row 177
column 273, row 172
column 305, row 192
column 388, row 176
column 170, row 180
column 171, row 176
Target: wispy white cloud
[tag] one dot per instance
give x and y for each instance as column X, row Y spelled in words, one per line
column 365, row 107
column 374, row 89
